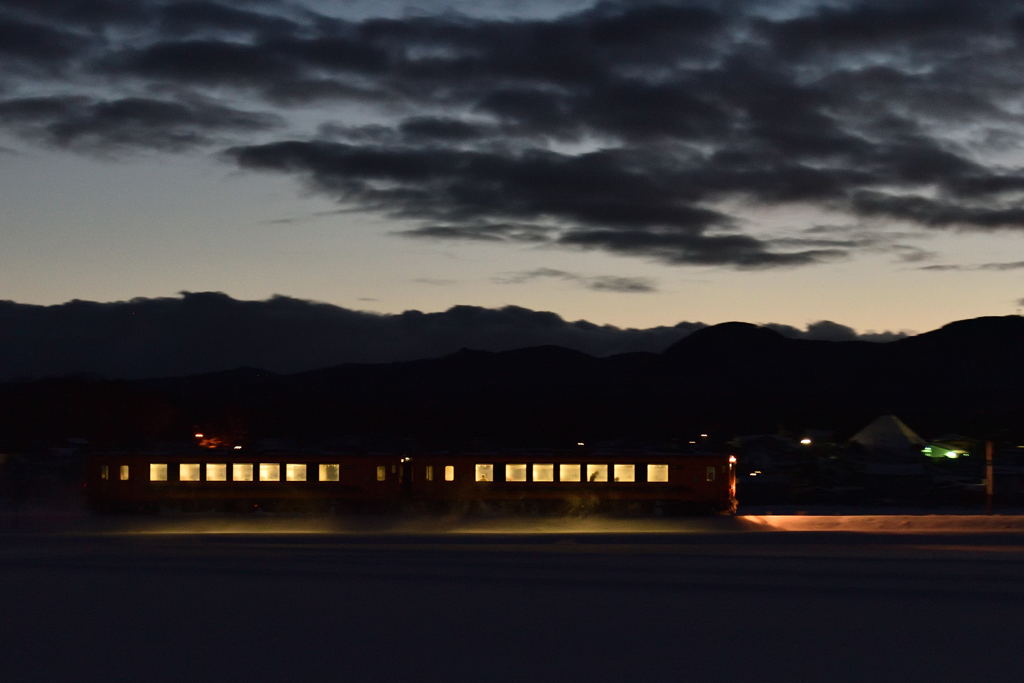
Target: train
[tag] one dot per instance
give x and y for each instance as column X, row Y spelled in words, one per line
column 538, row 481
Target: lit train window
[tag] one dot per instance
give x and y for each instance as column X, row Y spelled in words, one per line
column 515, row 472
column 241, row 471
column 295, row 472
column 625, row 473
column 449, row 472
column 544, row 472
column 270, row 471
column 216, row 471
column 104, row 471
column 709, row 474
column 123, row 473
column 382, row 472
column 597, row 472
column 428, row 473
column 158, row 471
column 657, row 473
column 568, row 472
column 188, row 471
column 484, row 473
column 330, row 471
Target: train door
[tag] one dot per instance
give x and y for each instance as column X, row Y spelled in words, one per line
column 405, row 477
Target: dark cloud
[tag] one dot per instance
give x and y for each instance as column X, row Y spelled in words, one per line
column 599, row 283
column 937, row 213
column 910, row 254
column 186, row 18
column 210, row 331
column 131, row 123
column 864, row 239
column 896, row 27
column 35, row 45
column 1007, row 265
column 484, row 232
column 202, row 62
column 435, row 282
column 651, row 129
column 1014, row 265
column 639, row 208
column 826, row 330
column 435, row 128
column 611, row 283
column 696, row 248
column 91, row 14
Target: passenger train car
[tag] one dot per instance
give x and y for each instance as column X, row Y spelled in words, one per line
column 536, row 481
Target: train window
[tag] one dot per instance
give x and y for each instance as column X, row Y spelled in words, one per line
column 657, row 473
column 216, row 471
column 330, row 471
column 625, row 473
column 484, row 473
column 241, row 471
column 123, row 473
column 104, row 471
column 597, row 472
column 382, row 472
column 568, row 472
column 188, row 471
column 158, row 471
column 428, row 473
column 270, row 471
column 544, row 472
column 515, row 472
column 709, row 474
column 295, row 472
column 449, row 472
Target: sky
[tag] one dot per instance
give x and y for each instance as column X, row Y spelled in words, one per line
column 634, row 164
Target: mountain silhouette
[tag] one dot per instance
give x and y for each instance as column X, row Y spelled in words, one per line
column 727, row 379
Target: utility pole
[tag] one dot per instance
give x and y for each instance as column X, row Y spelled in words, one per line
column 990, row 479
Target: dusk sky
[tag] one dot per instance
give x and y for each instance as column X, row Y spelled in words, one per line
column 630, row 163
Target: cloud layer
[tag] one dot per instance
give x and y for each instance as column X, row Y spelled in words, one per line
column 210, row 331
column 647, row 129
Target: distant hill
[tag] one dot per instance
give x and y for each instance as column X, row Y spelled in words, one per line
column 199, row 332
column 966, row 377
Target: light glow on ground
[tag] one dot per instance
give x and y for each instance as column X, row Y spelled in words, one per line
column 888, row 523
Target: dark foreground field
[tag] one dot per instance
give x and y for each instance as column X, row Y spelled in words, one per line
column 706, row 600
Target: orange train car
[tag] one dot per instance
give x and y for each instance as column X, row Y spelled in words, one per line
column 569, row 481
column 239, row 481
column 529, row 481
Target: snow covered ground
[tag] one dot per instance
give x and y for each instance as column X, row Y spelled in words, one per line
column 587, row 599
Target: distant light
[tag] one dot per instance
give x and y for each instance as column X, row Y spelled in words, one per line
column 703, row 436
column 732, row 459
column 199, row 435
column 806, row 441
column 693, row 442
column 952, row 454
column 238, row 448
column 580, row 443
